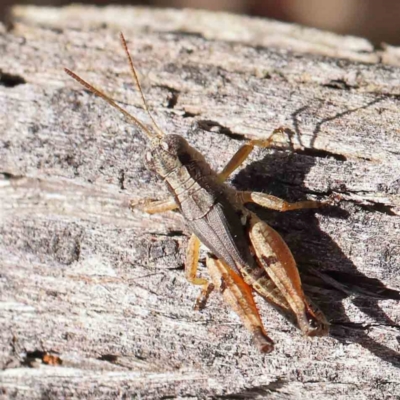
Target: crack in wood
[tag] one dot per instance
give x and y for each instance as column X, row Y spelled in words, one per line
column 9, row 80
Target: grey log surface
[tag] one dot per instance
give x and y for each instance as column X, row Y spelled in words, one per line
column 93, row 299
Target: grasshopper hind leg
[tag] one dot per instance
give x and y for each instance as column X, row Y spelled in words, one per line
column 239, row 296
column 277, row 260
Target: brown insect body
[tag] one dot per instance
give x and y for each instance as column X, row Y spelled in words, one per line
column 206, row 204
column 217, row 216
column 213, row 213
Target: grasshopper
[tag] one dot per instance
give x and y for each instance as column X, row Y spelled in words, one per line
column 247, row 254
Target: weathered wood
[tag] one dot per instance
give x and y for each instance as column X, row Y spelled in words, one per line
column 102, row 288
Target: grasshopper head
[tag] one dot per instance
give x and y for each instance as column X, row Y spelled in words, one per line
column 169, row 153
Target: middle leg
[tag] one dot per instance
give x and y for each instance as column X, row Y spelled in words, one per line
column 275, row 203
column 192, row 260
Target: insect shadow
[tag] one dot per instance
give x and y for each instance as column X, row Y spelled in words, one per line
column 328, row 275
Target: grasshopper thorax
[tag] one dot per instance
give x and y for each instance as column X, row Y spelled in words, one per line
column 169, row 153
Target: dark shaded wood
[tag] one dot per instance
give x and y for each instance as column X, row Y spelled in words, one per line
column 102, row 289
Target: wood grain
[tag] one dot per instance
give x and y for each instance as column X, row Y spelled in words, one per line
column 93, row 299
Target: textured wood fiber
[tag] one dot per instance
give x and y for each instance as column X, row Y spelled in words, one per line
column 102, row 289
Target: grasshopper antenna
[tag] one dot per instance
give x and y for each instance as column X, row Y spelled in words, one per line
column 160, row 133
column 110, row 101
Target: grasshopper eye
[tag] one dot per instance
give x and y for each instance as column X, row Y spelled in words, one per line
column 148, row 157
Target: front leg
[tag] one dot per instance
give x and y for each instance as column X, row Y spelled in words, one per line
column 150, row 206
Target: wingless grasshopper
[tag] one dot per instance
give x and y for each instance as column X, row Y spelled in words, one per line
column 247, row 254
